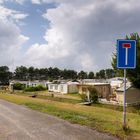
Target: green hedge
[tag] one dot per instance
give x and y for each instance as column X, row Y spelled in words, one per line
column 18, row 86
column 36, row 88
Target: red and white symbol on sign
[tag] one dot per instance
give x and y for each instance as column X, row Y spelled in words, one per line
column 126, row 46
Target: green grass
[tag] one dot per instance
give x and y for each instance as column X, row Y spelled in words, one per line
column 63, row 113
column 49, row 97
column 73, row 95
column 129, row 109
column 59, row 99
column 97, row 117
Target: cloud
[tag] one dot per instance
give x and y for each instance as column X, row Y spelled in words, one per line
column 82, row 34
column 10, row 15
column 16, row 1
column 36, row 1
column 19, row 1
column 10, row 36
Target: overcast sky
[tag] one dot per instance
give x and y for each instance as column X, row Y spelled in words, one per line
column 72, row 34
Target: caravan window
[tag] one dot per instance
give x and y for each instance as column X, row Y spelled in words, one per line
column 61, row 88
column 56, row 87
column 51, row 87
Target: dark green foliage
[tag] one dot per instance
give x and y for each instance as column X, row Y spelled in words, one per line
column 97, row 75
column 91, row 75
column 84, row 97
column 132, row 74
column 68, row 74
column 105, row 74
column 109, row 73
column 21, row 73
column 5, row 75
column 31, row 73
column 102, row 74
column 36, row 88
column 93, row 96
column 18, row 86
column 82, row 75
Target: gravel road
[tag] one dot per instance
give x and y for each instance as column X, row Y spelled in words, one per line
column 20, row 123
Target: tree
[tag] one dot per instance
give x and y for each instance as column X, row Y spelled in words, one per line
column 82, row 75
column 109, row 73
column 93, row 96
column 118, row 72
column 50, row 73
column 56, row 73
column 37, row 74
column 31, row 73
column 102, row 74
column 132, row 74
column 5, row 75
column 91, row 75
column 42, row 74
column 68, row 74
column 97, row 75
column 21, row 73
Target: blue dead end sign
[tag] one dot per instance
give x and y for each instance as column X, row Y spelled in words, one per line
column 126, row 59
column 126, row 54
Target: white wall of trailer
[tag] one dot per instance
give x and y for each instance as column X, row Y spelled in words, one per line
column 63, row 88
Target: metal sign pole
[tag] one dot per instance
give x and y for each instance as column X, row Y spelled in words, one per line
column 124, row 101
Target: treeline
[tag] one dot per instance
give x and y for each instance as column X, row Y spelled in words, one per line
column 32, row 73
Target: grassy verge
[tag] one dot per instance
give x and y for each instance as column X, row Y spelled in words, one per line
column 130, row 109
column 76, row 95
column 49, row 97
column 102, row 119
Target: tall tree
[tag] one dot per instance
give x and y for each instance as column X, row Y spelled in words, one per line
column 97, row 75
column 118, row 72
column 102, row 74
column 5, row 75
column 91, row 75
column 56, row 73
column 21, row 73
column 109, row 73
column 43, row 74
column 82, row 75
column 68, row 74
column 31, row 73
column 132, row 74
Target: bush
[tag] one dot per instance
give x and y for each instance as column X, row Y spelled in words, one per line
column 37, row 88
column 18, row 86
column 84, row 97
column 93, row 95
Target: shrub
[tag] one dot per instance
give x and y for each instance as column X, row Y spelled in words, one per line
column 93, row 95
column 37, row 88
column 84, row 97
column 18, row 86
